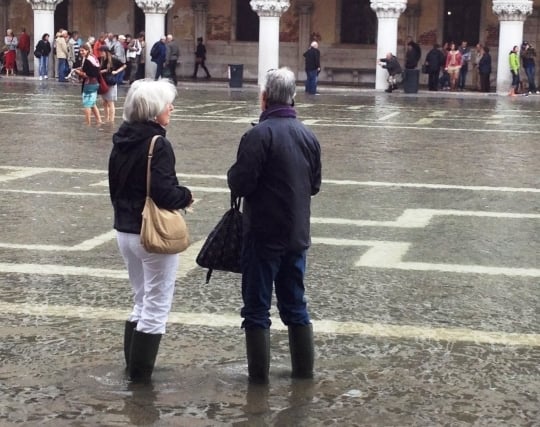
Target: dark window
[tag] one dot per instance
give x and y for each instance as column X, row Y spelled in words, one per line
column 61, row 17
column 462, row 21
column 139, row 20
column 358, row 22
column 247, row 22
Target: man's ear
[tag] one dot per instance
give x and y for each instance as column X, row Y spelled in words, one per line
column 264, row 99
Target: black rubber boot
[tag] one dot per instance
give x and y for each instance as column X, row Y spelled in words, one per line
column 144, row 349
column 302, row 352
column 258, row 355
column 128, row 334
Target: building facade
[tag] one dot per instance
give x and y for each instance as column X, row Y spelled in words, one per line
column 262, row 34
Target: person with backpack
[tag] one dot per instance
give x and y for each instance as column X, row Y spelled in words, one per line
column 158, row 54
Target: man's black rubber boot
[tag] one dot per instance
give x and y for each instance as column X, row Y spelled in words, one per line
column 302, row 351
column 258, row 355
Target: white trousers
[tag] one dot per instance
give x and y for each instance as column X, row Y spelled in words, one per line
column 152, row 278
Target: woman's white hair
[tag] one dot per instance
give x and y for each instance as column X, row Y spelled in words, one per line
column 147, row 98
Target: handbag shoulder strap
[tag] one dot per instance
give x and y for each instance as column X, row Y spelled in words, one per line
column 148, row 164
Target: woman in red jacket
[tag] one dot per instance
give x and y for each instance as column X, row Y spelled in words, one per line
column 453, row 65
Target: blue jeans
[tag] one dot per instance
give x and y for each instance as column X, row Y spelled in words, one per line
column 515, row 80
column 311, row 82
column 63, row 68
column 43, row 65
column 159, row 70
column 260, row 271
column 529, row 71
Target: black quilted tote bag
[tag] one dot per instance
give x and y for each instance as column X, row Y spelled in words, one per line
column 223, row 246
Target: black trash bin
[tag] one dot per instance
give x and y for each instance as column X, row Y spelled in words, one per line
column 236, row 75
column 411, row 79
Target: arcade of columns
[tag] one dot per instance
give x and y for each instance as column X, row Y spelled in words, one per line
column 511, row 14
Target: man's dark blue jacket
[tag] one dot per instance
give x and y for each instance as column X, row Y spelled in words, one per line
column 278, row 169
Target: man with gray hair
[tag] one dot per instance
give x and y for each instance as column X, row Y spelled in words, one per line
column 277, row 170
column 313, row 67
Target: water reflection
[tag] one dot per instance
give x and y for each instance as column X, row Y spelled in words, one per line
column 140, row 404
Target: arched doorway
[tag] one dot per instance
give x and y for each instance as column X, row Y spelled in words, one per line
column 462, row 21
column 61, row 16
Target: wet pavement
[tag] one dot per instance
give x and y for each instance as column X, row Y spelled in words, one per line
column 423, row 278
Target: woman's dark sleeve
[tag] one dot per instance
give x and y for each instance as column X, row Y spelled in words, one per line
column 164, row 188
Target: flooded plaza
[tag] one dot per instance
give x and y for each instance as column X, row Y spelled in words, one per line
column 423, row 278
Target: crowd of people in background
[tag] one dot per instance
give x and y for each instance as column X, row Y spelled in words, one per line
column 447, row 66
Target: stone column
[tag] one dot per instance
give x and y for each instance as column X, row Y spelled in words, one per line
column 512, row 15
column 200, row 13
column 388, row 13
column 304, row 8
column 269, row 12
column 43, row 23
column 100, row 16
column 154, row 27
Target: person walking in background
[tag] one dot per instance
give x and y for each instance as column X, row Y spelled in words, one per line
column 277, row 170
column 465, row 52
column 133, row 52
column 391, row 63
column 475, row 59
column 43, row 49
column 528, row 53
column 147, row 111
column 24, row 49
column 89, row 73
column 513, row 59
column 172, row 56
column 484, row 69
column 416, row 49
column 413, row 54
column 313, row 67
column 10, row 55
column 453, row 65
column 101, row 40
column 141, row 60
column 110, row 68
column 158, row 54
column 62, row 55
column 200, row 59
column 434, row 62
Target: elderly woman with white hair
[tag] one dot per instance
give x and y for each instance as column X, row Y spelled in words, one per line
column 147, row 111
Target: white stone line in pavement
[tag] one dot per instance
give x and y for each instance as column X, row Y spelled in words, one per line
column 325, row 181
column 187, row 264
column 55, row 193
column 84, row 246
column 388, row 116
column 62, row 270
column 18, row 174
column 420, row 218
column 381, row 254
column 221, row 321
column 431, row 186
column 310, row 122
column 389, row 255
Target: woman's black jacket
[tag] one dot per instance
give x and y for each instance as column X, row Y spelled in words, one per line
column 127, row 175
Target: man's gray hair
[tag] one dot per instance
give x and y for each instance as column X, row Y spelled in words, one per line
column 147, row 98
column 280, row 87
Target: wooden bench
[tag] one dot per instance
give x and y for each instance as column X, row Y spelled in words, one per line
column 356, row 72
